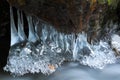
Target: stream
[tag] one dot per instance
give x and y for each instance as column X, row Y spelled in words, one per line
column 72, row 71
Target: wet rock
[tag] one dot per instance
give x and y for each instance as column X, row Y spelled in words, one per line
column 61, row 13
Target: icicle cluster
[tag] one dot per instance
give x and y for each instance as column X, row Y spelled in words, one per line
column 45, row 49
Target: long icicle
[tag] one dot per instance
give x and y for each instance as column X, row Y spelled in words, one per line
column 32, row 36
column 21, row 32
column 14, row 35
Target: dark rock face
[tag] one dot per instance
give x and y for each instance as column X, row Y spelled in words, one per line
column 4, row 32
column 71, row 16
column 118, row 12
column 66, row 15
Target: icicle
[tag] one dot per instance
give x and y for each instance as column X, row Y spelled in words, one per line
column 32, row 36
column 75, row 49
column 61, row 41
column 44, row 34
column 67, row 43
column 21, row 32
column 36, row 27
column 52, row 34
column 14, row 35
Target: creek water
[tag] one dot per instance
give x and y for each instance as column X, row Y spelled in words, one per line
column 73, row 71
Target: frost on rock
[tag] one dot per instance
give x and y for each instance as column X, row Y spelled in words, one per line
column 94, row 55
column 102, row 55
column 23, row 58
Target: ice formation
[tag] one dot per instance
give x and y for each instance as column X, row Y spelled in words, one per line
column 116, row 41
column 45, row 49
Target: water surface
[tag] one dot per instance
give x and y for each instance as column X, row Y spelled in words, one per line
column 73, row 71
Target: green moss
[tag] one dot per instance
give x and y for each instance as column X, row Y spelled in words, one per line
column 113, row 3
column 102, row 1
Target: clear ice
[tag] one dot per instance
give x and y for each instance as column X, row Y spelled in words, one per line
column 116, row 41
column 45, row 49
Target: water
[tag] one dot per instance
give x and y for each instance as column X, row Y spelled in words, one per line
column 73, row 71
column 45, row 50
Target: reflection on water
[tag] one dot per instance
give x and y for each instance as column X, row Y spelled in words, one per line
column 73, row 71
